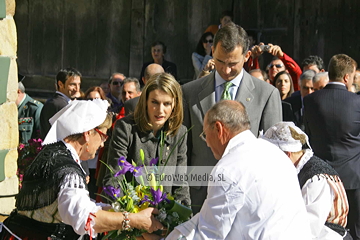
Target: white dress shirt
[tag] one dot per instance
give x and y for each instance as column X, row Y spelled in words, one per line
column 259, row 199
column 219, row 85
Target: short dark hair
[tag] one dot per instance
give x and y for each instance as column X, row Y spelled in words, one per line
column 159, row 43
column 313, row 60
column 65, row 74
column 200, row 47
column 232, row 36
column 227, row 13
column 340, row 65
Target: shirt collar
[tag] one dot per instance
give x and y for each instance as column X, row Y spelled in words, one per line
column 337, row 83
column 236, row 81
column 66, row 97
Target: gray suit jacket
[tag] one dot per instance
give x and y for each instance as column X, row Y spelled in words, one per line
column 130, row 105
column 262, row 102
column 127, row 140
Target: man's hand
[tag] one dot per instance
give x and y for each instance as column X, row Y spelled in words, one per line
column 210, row 65
column 256, row 50
column 275, row 50
column 145, row 220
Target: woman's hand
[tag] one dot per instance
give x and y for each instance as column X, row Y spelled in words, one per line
column 145, row 220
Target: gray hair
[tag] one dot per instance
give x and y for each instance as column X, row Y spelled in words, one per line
column 307, row 75
column 21, row 87
column 133, row 80
column 319, row 75
column 231, row 113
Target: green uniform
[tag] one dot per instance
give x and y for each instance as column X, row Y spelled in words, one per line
column 29, row 119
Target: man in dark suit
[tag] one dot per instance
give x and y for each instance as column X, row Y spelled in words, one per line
column 68, row 87
column 150, row 70
column 306, row 88
column 331, row 119
column 229, row 81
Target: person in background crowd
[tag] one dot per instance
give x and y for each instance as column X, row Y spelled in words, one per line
column 105, row 87
column 284, row 84
column 202, row 53
column 226, row 17
column 158, row 50
column 115, row 82
column 306, row 88
column 54, row 202
column 129, row 90
column 314, row 63
column 260, row 74
column 150, row 70
column 29, row 111
column 68, row 83
column 230, row 52
column 320, row 80
column 331, row 118
column 322, row 189
column 280, row 62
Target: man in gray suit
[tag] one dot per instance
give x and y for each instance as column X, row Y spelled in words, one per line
column 262, row 101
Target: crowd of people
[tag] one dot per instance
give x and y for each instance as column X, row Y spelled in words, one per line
column 285, row 138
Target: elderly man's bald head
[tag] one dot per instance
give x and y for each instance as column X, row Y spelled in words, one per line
column 152, row 69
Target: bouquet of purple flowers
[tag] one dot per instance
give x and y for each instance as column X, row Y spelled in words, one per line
column 133, row 197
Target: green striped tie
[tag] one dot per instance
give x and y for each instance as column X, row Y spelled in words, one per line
column 226, row 94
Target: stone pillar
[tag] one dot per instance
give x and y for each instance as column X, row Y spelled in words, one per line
column 9, row 134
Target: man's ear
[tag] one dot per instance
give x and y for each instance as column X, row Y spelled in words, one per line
column 222, row 132
column 60, row 84
column 346, row 78
column 247, row 55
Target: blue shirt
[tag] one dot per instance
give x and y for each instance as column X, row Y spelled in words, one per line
column 219, row 85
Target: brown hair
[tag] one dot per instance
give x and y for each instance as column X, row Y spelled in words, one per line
column 167, row 83
column 339, row 66
column 96, row 89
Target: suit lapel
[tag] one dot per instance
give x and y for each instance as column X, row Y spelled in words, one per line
column 206, row 96
column 244, row 93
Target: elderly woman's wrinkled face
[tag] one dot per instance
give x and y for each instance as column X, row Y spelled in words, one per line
column 159, row 108
column 97, row 137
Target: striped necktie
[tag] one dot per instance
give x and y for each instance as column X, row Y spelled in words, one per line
column 226, row 94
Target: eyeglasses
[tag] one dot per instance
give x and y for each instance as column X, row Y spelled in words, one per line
column 203, row 136
column 117, row 83
column 103, row 136
column 208, row 41
column 276, row 65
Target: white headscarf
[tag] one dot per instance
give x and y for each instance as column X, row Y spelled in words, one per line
column 77, row 117
column 280, row 135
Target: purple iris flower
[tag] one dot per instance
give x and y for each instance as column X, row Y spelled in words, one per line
column 128, row 167
column 158, row 197
column 154, row 161
column 112, row 192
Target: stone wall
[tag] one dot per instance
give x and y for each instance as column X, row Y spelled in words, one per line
column 8, row 111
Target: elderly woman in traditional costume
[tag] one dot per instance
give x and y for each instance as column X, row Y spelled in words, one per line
column 54, row 201
column 323, row 191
